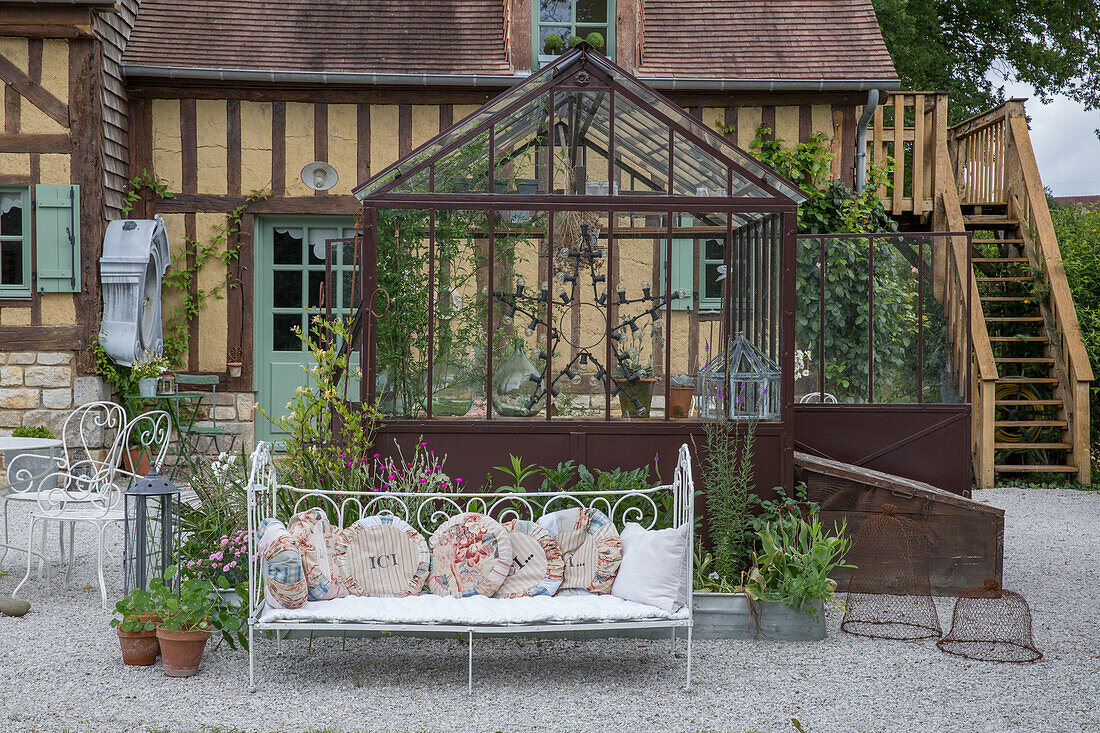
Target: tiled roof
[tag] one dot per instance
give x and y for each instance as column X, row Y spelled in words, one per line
column 361, row 36
column 757, row 39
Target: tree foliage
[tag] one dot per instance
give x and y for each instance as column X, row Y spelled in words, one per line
column 951, row 46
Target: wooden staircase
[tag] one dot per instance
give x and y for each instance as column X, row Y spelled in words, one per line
column 1031, row 412
column 1031, row 432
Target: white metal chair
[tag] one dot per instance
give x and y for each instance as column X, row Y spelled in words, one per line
column 824, row 397
column 93, row 495
column 94, row 424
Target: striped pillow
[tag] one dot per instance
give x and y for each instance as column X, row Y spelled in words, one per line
column 281, row 566
column 317, row 538
column 382, row 556
column 537, row 566
column 590, row 547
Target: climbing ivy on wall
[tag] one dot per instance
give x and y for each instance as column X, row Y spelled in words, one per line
column 214, row 250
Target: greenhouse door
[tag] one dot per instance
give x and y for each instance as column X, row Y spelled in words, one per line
column 289, row 283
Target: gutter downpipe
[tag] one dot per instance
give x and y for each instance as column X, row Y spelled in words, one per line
column 861, row 139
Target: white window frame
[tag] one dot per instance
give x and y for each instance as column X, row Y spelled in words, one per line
column 25, row 289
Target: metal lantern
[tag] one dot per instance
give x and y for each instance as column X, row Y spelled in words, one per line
column 752, row 386
column 152, row 529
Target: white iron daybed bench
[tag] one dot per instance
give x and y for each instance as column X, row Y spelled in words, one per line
column 603, row 614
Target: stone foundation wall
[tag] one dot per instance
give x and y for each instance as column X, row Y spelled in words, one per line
column 41, row 388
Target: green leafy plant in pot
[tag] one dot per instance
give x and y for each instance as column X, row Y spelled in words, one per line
column 136, row 623
column 189, row 615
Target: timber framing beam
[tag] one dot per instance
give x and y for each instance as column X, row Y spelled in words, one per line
column 35, row 93
column 20, row 338
column 35, row 143
column 187, row 203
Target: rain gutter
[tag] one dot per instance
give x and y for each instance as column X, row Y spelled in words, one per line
column 861, row 138
column 490, row 80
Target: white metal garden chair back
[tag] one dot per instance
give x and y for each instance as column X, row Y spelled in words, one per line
column 94, row 494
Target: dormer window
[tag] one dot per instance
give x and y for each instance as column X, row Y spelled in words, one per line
column 558, row 21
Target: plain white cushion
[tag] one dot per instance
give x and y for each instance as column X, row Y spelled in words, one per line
column 654, row 567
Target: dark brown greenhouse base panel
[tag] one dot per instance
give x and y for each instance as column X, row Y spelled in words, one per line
column 474, row 447
column 965, row 538
column 929, row 443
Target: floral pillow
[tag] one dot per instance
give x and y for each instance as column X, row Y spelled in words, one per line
column 382, row 556
column 318, row 538
column 590, row 547
column 471, row 554
column 281, row 566
column 537, row 566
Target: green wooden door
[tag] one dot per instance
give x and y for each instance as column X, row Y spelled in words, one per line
column 289, row 281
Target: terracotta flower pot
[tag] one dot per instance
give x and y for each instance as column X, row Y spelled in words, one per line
column 680, row 401
column 139, row 648
column 136, row 461
column 181, row 651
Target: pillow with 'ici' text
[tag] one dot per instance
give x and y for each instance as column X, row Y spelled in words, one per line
column 382, row 556
column 537, row 567
column 590, row 548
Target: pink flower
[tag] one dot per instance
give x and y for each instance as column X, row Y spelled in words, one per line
column 377, row 455
column 423, row 480
column 458, row 480
column 225, row 541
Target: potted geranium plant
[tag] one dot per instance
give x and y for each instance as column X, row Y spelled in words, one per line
column 136, row 622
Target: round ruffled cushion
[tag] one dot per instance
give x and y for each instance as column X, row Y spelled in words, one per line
column 317, row 538
column 382, row 556
column 281, row 566
column 471, row 554
column 537, row 565
column 589, row 545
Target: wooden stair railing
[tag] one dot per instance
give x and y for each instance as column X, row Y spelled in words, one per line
column 995, row 171
column 947, row 216
column 1027, row 202
column 908, row 127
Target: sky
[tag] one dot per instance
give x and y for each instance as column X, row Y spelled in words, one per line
column 1066, row 148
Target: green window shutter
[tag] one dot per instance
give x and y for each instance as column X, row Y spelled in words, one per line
column 57, row 238
column 683, row 262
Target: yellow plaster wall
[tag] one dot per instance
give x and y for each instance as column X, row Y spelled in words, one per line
column 211, row 137
column 15, row 164
column 176, row 229
column 17, row 51
column 821, row 119
column 15, row 316
column 34, row 121
column 55, row 67
column 54, row 168
column 425, row 123
column 214, row 315
column 58, row 309
column 299, row 146
column 383, row 136
column 167, row 156
column 255, row 146
column 343, row 146
column 786, row 125
column 748, row 122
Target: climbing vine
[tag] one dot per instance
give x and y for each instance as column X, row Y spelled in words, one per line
column 214, row 250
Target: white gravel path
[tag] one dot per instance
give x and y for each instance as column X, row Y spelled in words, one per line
column 60, row 667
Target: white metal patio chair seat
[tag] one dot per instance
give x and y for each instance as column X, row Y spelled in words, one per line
column 95, row 498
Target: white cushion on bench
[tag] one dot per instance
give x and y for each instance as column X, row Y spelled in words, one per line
column 471, row 611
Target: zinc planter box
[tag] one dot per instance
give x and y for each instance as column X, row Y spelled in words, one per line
column 728, row 616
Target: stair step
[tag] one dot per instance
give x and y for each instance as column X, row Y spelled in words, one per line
column 992, row 260
column 1032, row 446
column 1017, row 339
column 990, row 221
column 1014, row 319
column 1027, row 380
column 1000, row 241
column 1013, row 279
column 1020, row 403
column 1008, row 299
column 1038, row 468
column 1030, row 423
column 1024, row 359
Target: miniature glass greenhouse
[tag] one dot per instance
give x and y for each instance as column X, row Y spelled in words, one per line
column 750, row 391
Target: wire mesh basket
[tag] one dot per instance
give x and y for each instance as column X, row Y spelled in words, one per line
column 889, row 590
column 991, row 624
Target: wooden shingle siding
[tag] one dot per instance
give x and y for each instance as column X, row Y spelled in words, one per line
column 113, row 29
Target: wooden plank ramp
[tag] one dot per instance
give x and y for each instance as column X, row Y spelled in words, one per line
column 966, row 537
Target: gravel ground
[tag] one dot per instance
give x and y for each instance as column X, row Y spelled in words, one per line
column 61, row 668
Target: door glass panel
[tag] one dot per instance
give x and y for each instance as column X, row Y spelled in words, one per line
column 317, row 238
column 11, row 215
column 316, row 285
column 283, row 334
column 287, row 289
column 288, row 246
